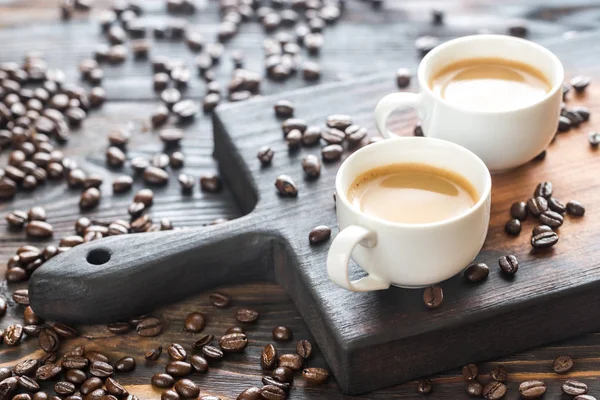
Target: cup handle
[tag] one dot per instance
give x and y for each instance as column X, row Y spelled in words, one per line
column 339, row 257
column 391, row 102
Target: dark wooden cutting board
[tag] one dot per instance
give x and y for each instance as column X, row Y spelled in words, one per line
column 375, row 339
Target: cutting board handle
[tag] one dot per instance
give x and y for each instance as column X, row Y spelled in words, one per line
column 122, row 276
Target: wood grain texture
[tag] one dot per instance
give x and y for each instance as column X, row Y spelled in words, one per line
column 381, row 49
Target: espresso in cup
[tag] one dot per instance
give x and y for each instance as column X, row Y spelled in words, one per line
column 412, row 193
column 490, row 84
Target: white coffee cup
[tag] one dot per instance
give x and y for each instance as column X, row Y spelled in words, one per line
column 407, row 255
column 502, row 139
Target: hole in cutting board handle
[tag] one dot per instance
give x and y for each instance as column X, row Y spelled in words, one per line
column 98, row 256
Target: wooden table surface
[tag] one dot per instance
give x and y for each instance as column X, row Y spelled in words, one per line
column 364, row 41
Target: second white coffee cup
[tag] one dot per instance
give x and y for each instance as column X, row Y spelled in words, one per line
column 502, row 139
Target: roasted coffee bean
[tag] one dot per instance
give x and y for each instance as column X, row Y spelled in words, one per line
column 199, row 363
column 115, row 388
column 92, row 181
column 537, row 205
column 532, row 389
column 293, row 139
column 171, row 136
column 252, row 393
column 48, row 372
column 541, row 229
column 476, row 273
column 470, row 372
column 16, row 274
column 584, row 397
column 170, row 96
column 76, row 178
column 282, row 333
column 339, row 121
column 233, row 342
column 284, row 109
column 176, row 159
column 26, row 367
column 332, row 152
column 268, row 380
column 145, row 196
column 499, row 373
column 402, row 77
column 16, row 219
column 13, row 334
column 544, row 240
column 551, row 218
column 28, row 384
column 494, row 390
column 149, row 327
column 177, row 352
column 153, row 354
column 580, row 83
column 178, row 368
column 162, row 380
column 160, row 116
column 333, row 136
column 48, row 358
column 293, row 123
column 115, row 157
column 101, row 369
column 203, row 341
column 155, row 176
column 562, row 364
column 97, row 394
column 89, row 199
column 76, row 352
column 283, row 374
column 36, row 214
column 543, row 189
column 265, row 155
column 513, row 227
column 594, row 139
column 63, row 388
column 268, row 358
column 574, row 388
column 94, row 356
column 170, row 394
column 74, row 362
column 119, row 137
column 125, row 364
column 8, row 188
column 583, row 112
column 211, row 183
column 187, row 389
column 63, row 330
column 21, row 296
column 320, row 376
column 518, row 210
column 291, row 361
column 575, row 208
column 508, row 264
column 311, row 136
column 564, row 124
column 219, row 299
column 186, row 183
column 556, row 206
column 246, row 315
column 119, row 328
column 195, row 322
column 3, row 307
column 271, row 392
column 212, row 353
column 75, row 376
column 286, row 186
column 311, row 166
column 433, row 297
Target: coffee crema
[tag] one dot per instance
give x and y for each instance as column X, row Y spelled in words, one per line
column 490, row 84
column 412, row 193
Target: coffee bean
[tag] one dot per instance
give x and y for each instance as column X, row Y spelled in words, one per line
column 543, row 189
column 89, row 199
column 424, row 386
column 75, row 376
column 178, row 368
column 499, row 373
column 333, row 136
column 8, row 188
column 293, row 139
column 16, row 219
column 320, row 376
column 13, row 334
column 584, row 397
column 160, row 160
column 402, row 77
column 594, row 139
column 39, row 229
column 355, row 134
column 574, row 388
column 268, row 358
column 541, row 229
column 94, row 356
column 424, row 44
column 177, row 352
column 518, row 210
column 551, row 218
column 187, row 389
column 101, row 369
column 219, row 299
column 92, row 181
column 513, row 227
column 210, row 101
column 293, row 123
column 311, row 166
column 575, row 208
column 115, row 157
column 470, row 372
column 268, row 380
column 171, row 136
column 537, row 205
column 544, row 240
column 48, row 372
column 265, row 155
column 170, row 97
column 580, row 83
column 532, row 389
column 291, row 361
column 562, row 364
column 508, row 264
column 125, row 364
column 170, row 394
column 195, row 322
column 176, row 159
column 494, row 390
column 212, row 353
column 160, row 116
column 204, row 340
column 63, row 388
column 252, row 393
column 564, row 124
column 556, row 206
column 186, row 183
column 115, row 388
column 3, row 307
column 199, row 363
column 21, row 296
column 433, row 297
column 74, row 362
column 210, row 183
column 332, row 152
column 145, row 196
column 119, row 328
column 246, row 315
column 286, row 186
column 153, row 354
column 477, row 272
column 155, row 176
column 284, row 109
column 162, row 380
column 149, row 327
column 26, row 367
column 282, row 333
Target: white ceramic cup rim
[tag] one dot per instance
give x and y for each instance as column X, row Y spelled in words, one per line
column 459, row 151
column 557, row 79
